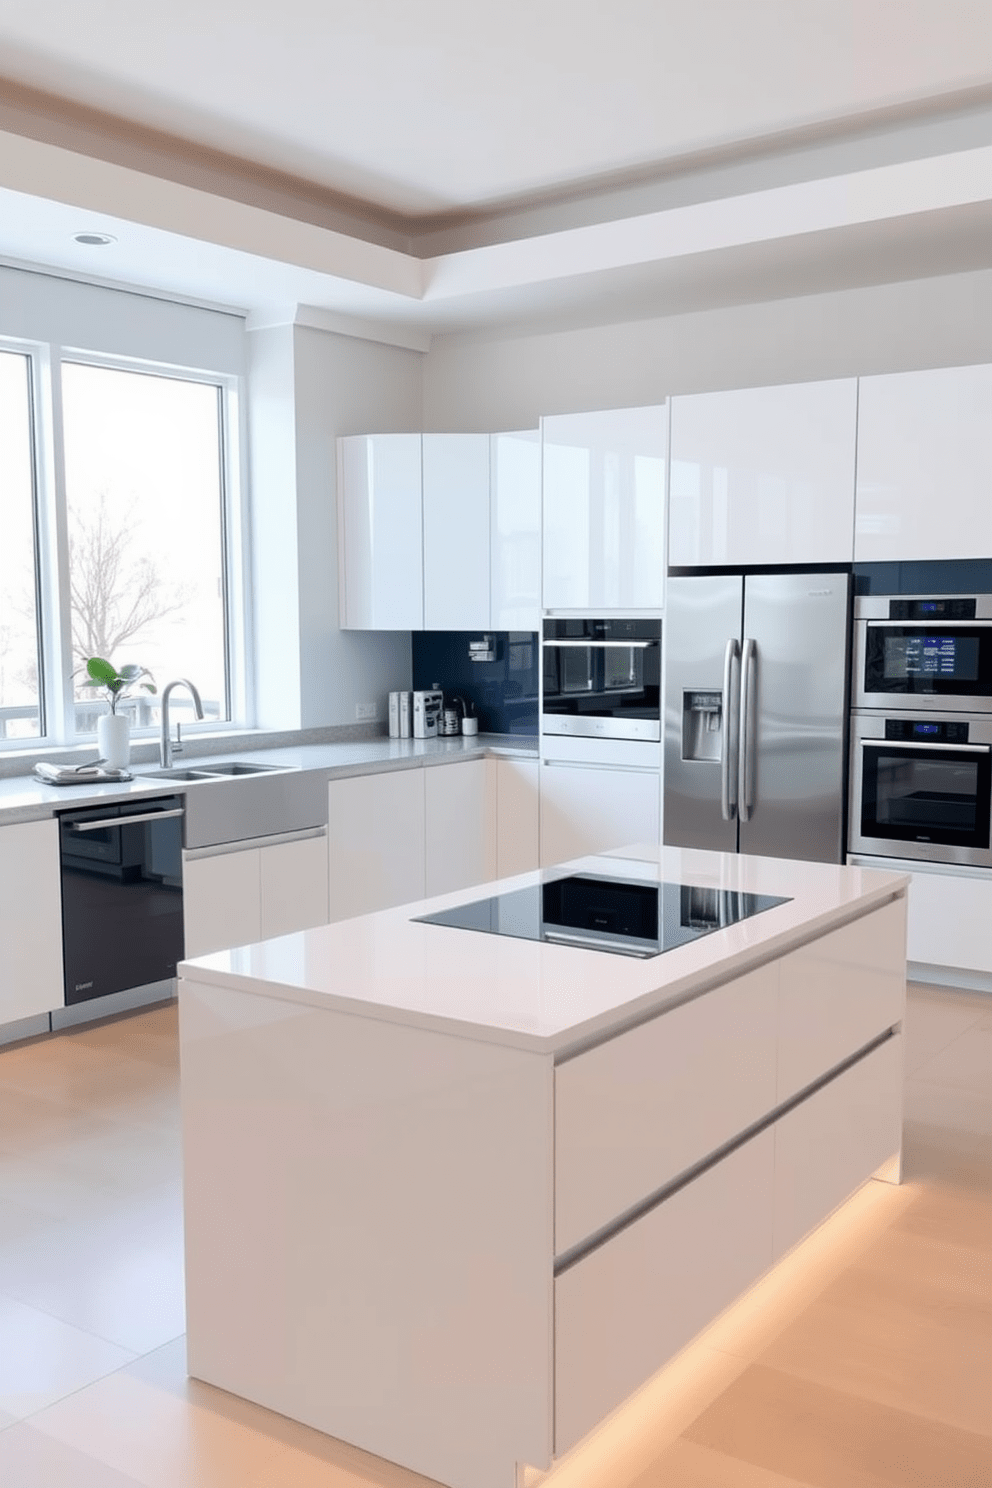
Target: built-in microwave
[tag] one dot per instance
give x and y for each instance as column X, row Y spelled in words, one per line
column 921, row 787
column 601, row 678
column 923, row 652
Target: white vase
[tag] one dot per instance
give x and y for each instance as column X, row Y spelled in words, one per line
column 113, row 739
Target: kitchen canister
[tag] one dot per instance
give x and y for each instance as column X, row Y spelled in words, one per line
column 449, row 724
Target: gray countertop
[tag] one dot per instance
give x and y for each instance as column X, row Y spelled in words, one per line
column 25, row 798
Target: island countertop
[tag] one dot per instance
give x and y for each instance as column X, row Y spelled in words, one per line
column 540, row 996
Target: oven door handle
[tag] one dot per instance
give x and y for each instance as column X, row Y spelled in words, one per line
column 124, row 821
column 929, row 625
column 612, row 645
column 923, row 744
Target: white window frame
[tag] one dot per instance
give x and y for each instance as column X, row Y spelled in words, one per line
column 56, row 703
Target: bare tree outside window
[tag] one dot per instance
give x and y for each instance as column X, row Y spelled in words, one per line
column 116, row 591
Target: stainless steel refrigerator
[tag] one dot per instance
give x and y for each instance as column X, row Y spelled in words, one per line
column 756, row 713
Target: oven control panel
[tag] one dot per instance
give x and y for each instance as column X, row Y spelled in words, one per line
column 932, row 609
column 925, row 731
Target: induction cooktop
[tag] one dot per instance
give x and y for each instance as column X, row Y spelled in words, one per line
column 627, row 917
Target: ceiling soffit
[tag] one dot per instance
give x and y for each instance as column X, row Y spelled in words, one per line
column 885, row 136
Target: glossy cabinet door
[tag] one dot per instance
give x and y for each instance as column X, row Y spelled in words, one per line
column 515, row 533
column 380, row 532
column 222, row 901
column 375, row 842
column 30, row 920
column 925, row 465
column 460, row 825
column 518, row 823
column 604, row 509
column 763, row 475
column 592, row 808
column 456, row 531
column 948, row 915
column 293, row 876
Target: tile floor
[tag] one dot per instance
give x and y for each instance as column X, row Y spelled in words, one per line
column 864, row 1360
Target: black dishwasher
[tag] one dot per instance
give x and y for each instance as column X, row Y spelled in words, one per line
column 122, row 896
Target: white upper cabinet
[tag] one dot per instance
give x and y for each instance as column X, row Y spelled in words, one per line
column 380, row 532
column 925, row 465
column 763, row 475
column 604, row 509
column 515, row 467
column 456, row 531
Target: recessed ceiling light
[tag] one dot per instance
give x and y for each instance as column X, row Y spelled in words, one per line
column 93, row 239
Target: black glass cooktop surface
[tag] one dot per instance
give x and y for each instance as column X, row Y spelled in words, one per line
column 625, row 916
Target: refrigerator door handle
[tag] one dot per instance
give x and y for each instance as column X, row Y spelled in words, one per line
column 748, row 726
column 731, row 709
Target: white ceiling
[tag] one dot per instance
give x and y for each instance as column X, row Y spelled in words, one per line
column 474, row 118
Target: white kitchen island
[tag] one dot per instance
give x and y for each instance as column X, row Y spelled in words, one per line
column 453, row 1196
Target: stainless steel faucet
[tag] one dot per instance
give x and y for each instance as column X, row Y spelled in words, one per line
column 165, row 743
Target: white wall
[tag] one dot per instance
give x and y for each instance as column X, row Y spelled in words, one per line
column 307, row 387
column 343, row 386
column 508, row 382
column 274, row 592
column 86, row 317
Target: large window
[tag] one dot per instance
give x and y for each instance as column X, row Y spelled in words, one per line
column 20, row 690
column 144, row 502
column 125, row 536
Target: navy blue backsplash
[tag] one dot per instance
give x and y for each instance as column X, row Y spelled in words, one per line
column 503, row 692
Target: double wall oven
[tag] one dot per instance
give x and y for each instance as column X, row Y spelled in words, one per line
column 921, row 728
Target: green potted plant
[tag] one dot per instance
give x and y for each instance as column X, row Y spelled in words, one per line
column 113, row 729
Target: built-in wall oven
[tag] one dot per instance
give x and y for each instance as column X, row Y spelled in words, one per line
column 601, row 678
column 921, row 787
column 924, row 652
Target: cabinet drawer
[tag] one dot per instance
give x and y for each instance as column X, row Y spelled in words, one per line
column 839, row 993
column 221, row 902
column 634, row 1113
column 293, row 885
column 831, row 1143
column 626, row 1308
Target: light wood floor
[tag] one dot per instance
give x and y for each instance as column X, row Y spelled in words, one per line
column 864, row 1360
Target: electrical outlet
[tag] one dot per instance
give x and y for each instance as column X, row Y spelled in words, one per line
column 365, row 712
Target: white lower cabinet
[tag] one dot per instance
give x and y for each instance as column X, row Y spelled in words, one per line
column 948, row 916
column 518, row 817
column 839, row 993
column 666, row 1210
column 293, row 884
column 30, row 920
column 629, row 1305
column 375, row 838
column 221, row 901
column 460, row 825
column 834, row 1140
column 613, row 1153
column 236, row 896
column 592, row 808
column 399, row 835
